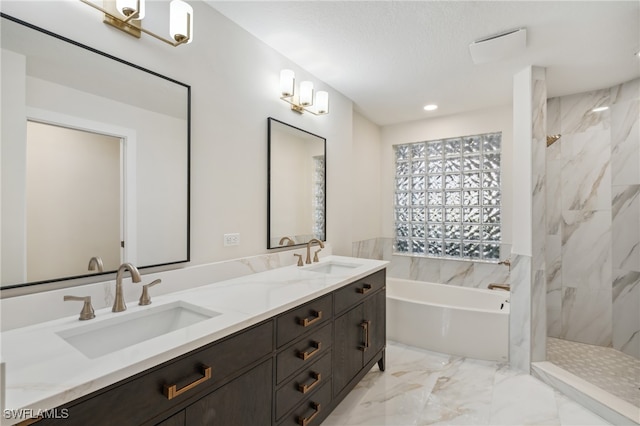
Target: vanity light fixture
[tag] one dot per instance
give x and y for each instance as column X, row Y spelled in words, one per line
column 305, row 99
column 430, row 107
column 126, row 15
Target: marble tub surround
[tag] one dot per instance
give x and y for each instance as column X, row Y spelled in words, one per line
column 420, row 387
column 48, row 305
column 465, row 273
column 43, row 379
column 593, row 218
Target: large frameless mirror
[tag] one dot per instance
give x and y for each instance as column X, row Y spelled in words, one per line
column 95, row 161
column 297, row 194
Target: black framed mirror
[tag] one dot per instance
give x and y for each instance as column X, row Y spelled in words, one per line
column 297, row 186
column 49, row 231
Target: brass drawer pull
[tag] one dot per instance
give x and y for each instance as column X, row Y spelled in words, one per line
column 365, row 327
column 365, row 289
column 172, row 391
column 306, row 421
column 307, row 388
column 306, row 355
column 306, row 322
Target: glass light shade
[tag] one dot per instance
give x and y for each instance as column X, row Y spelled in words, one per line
column 181, row 21
column 322, row 102
column 287, row 78
column 306, row 93
column 131, row 5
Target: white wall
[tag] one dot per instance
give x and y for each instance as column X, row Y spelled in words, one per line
column 13, row 173
column 498, row 119
column 234, row 81
column 367, row 179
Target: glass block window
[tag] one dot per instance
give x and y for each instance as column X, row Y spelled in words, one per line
column 447, row 197
column 319, row 197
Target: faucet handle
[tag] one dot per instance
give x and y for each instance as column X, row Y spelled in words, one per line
column 145, row 299
column 315, row 255
column 299, row 259
column 87, row 312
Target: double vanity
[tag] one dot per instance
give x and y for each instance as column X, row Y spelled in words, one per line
column 280, row 347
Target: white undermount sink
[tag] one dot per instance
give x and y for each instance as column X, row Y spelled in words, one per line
column 333, row 267
column 127, row 329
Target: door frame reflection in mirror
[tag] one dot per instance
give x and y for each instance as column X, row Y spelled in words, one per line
column 182, row 100
column 301, row 231
column 127, row 171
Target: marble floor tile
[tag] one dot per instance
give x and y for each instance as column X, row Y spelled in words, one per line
column 421, row 387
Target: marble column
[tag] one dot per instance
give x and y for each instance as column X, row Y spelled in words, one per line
column 528, row 277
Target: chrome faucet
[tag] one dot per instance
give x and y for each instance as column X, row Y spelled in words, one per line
column 118, row 303
column 314, row 240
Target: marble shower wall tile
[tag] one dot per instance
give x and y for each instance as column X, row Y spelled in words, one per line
column 627, row 91
column 625, row 142
column 553, row 116
column 626, row 227
column 553, row 264
column 626, row 312
column 586, row 173
column 538, row 316
column 554, row 312
column 576, row 112
column 586, row 249
column 554, row 193
column 586, row 315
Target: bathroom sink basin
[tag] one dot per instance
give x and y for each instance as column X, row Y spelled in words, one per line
column 333, row 267
column 127, row 329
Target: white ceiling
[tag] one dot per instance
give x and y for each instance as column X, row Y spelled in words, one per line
column 393, row 57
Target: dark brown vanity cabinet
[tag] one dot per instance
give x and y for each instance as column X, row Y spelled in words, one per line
column 143, row 399
column 360, row 331
column 292, row 369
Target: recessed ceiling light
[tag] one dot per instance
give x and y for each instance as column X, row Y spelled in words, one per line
column 602, row 108
column 431, row 107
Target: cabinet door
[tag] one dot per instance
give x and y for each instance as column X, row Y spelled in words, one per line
column 374, row 316
column 244, row 401
column 347, row 349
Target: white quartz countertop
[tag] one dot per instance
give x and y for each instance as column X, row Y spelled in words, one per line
column 44, row 371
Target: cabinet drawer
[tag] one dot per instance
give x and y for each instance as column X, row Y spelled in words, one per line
column 302, row 319
column 312, row 411
column 142, row 398
column 304, row 352
column 355, row 292
column 302, row 385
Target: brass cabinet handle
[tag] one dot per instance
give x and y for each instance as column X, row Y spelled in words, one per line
column 365, row 326
column 302, row 421
column 172, row 391
column 365, row 288
column 306, row 355
column 306, row 322
column 307, row 388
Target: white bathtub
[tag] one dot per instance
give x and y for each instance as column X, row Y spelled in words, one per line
column 455, row 320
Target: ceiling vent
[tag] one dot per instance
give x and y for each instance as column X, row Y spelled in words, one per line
column 499, row 46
